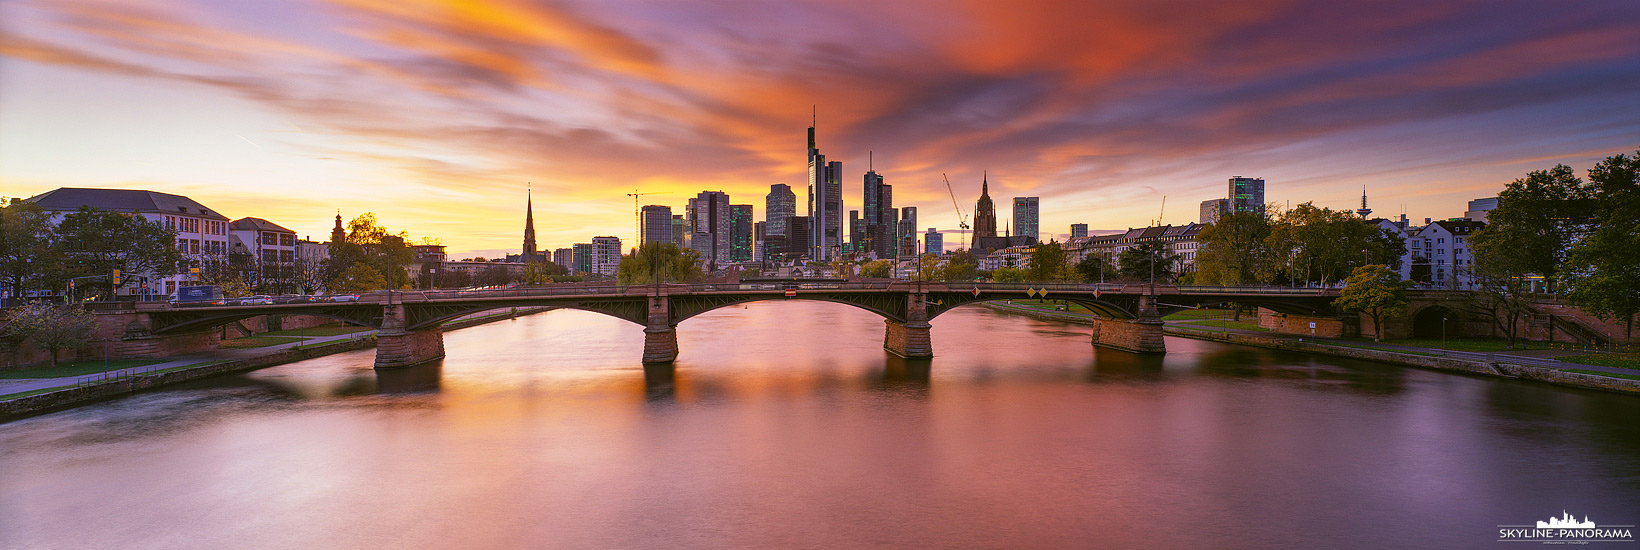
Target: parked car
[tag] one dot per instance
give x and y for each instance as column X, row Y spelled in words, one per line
column 194, row 296
column 342, row 298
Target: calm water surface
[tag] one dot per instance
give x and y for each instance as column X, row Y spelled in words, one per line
column 787, row 425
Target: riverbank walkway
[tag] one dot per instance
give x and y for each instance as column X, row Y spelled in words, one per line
column 10, row 388
column 1545, row 358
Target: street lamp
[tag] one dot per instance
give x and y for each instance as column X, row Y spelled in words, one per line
column 1443, row 332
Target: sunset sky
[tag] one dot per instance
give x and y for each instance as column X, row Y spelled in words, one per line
column 435, row 114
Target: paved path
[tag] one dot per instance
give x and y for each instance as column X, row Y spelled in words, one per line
column 19, row 386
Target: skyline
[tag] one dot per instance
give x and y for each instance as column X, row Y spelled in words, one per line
column 291, row 111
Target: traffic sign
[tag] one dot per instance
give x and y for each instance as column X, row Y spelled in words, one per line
column 790, row 292
column 1096, row 293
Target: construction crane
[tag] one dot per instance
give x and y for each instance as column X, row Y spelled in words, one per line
column 637, row 216
column 962, row 220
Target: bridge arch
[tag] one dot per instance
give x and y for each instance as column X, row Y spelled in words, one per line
column 172, row 324
column 681, row 308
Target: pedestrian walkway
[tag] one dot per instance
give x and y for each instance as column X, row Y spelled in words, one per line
column 230, row 354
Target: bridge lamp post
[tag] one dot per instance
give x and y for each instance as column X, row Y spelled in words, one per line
column 1443, row 332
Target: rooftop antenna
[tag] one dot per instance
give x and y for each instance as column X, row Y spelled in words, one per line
column 871, row 163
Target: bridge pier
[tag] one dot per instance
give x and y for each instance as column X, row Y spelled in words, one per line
column 1140, row 335
column 911, row 338
column 660, row 336
column 398, row 347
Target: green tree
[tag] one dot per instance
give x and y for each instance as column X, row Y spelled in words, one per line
column 1537, row 219
column 1376, row 291
column 1047, row 262
column 1602, row 270
column 675, row 265
column 95, row 242
column 1233, row 251
column 27, row 240
column 961, row 266
column 51, row 327
column 361, row 277
column 928, row 267
column 877, row 269
column 1008, row 275
column 843, row 267
column 1315, row 244
column 374, row 245
column 1093, row 268
column 542, row 272
column 1137, row 262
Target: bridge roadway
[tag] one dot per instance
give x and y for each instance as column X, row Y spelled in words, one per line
column 409, row 321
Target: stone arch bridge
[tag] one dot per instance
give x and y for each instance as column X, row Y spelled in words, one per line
column 409, row 321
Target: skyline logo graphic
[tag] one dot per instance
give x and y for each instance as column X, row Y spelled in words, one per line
column 1566, row 529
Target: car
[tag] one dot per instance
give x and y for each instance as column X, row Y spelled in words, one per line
column 293, row 299
column 342, row 298
column 257, row 300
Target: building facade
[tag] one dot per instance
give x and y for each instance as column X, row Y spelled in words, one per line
column 1079, row 230
column 742, row 233
column 1246, row 194
column 1027, row 212
column 825, row 207
column 779, row 205
column 202, row 233
column 606, row 256
column 908, row 231
column 1212, row 209
column 655, row 224
column 710, row 237
column 933, row 242
column 263, row 255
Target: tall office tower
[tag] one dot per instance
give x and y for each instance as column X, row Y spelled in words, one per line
column 1212, row 209
column 933, row 242
column 760, row 236
column 856, row 232
column 1246, row 194
column 797, row 237
column 779, row 205
column 582, row 260
column 825, row 203
column 711, row 233
column 657, row 224
column 564, row 257
column 680, row 233
column 740, row 233
column 530, row 252
column 1478, row 208
column 1026, row 211
column 908, row 231
column 1079, row 230
column 606, row 255
column 985, row 214
column 879, row 231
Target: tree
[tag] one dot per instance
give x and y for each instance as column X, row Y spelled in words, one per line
column 52, row 327
column 1537, row 219
column 1376, row 291
column 1602, row 271
column 1047, row 262
column 26, row 242
column 1137, row 263
column 1233, row 250
column 877, row 269
column 360, row 277
column 1008, row 275
column 1093, row 268
column 928, row 267
column 961, row 266
column 95, row 242
column 542, row 272
column 1501, row 297
column 674, row 264
column 372, row 244
column 1320, row 245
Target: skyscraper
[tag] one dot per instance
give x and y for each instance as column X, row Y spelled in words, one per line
column 531, row 254
column 933, row 242
column 657, row 224
column 680, row 231
column 985, row 214
column 1246, row 194
column 760, row 234
column 908, row 231
column 1026, row 211
column 740, row 233
column 856, row 232
column 564, row 257
column 582, row 258
column 879, row 232
column 825, row 203
column 710, row 210
column 1079, row 230
column 797, row 235
column 779, row 205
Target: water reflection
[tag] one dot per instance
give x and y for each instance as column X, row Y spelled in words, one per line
column 787, row 425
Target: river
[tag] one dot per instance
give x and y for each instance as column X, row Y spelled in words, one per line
column 786, row 425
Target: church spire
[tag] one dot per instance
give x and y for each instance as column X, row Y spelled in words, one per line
column 337, row 234
column 529, row 227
